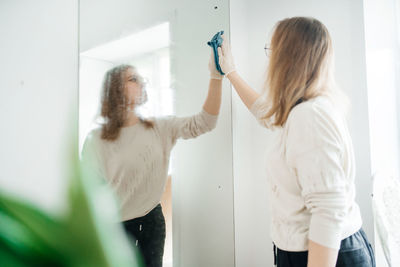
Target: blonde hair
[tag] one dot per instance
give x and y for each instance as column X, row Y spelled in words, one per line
column 113, row 103
column 300, row 68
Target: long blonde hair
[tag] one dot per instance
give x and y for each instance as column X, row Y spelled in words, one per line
column 300, row 68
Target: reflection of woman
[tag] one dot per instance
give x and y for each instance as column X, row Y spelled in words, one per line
column 132, row 153
column 311, row 168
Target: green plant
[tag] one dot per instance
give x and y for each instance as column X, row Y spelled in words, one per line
column 87, row 235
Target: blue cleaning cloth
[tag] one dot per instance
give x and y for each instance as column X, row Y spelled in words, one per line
column 216, row 42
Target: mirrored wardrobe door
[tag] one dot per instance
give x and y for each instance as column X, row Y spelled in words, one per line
column 161, row 48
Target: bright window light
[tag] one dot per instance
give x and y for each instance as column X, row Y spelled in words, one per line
column 151, row 39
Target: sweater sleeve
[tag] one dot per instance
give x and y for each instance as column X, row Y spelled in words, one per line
column 314, row 153
column 259, row 109
column 188, row 127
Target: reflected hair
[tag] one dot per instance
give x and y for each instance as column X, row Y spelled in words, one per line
column 301, row 67
column 114, row 104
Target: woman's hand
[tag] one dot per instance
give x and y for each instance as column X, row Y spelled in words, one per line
column 226, row 58
column 214, row 73
column 246, row 93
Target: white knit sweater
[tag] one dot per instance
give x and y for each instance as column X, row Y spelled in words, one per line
column 311, row 172
column 136, row 164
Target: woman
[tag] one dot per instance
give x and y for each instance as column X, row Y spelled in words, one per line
column 132, row 154
column 315, row 219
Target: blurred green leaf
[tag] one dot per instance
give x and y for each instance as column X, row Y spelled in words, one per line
column 28, row 234
column 89, row 234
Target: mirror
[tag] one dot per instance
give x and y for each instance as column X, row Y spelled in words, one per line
column 166, row 42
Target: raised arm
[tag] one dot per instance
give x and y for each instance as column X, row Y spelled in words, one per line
column 213, row 100
column 247, row 94
column 206, row 120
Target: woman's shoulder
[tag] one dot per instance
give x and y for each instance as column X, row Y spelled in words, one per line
column 94, row 136
column 91, row 144
column 95, row 133
column 319, row 110
column 161, row 122
column 320, row 105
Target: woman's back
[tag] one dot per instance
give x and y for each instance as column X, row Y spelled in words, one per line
column 311, row 171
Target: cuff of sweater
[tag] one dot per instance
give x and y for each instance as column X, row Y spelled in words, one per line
column 325, row 232
column 216, row 76
column 254, row 109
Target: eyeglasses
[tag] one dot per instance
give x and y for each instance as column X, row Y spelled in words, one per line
column 267, row 50
column 139, row 80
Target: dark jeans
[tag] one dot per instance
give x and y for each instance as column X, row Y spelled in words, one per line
column 148, row 234
column 355, row 251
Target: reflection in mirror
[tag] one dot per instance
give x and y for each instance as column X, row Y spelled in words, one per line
column 128, row 128
column 148, row 52
column 140, row 64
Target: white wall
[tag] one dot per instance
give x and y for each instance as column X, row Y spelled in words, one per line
column 38, row 97
column 202, row 188
column 251, row 27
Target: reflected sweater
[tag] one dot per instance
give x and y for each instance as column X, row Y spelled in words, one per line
column 310, row 173
column 136, row 164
